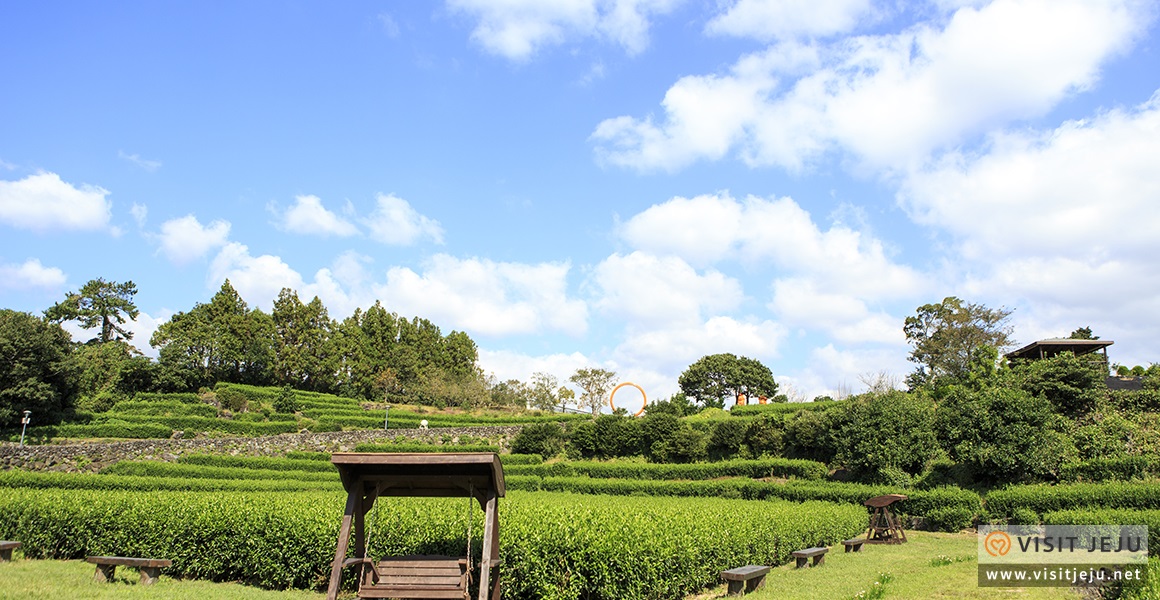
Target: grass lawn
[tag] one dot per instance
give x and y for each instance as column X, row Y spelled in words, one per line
column 70, row 579
column 908, row 569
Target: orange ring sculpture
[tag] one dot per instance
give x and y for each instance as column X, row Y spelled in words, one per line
column 642, row 395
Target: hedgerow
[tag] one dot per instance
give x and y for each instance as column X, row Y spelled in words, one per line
column 1149, row 518
column 367, row 447
column 506, row 459
column 554, row 546
column 89, row 481
column 257, row 462
column 946, row 509
column 175, row 408
column 1001, row 504
column 1112, row 469
column 108, row 429
column 149, row 468
column 184, row 397
column 780, row 408
column 774, row 467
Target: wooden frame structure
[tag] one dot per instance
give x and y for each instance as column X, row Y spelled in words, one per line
column 369, row 476
column 884, row 527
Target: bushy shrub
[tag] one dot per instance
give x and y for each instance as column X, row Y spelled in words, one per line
column 1001, row 504
column 1074, row 385
column 1125, row 468
column 286, row 401
column 950, row 519
column 684, row 445
column 727, row 438
column 545, row 439
column 1002, row 435
column 764, row 436
column 891, row 429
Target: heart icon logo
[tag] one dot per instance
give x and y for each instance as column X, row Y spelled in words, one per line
column 997, row 543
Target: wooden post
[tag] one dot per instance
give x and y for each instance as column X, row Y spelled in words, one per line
column 343, row 541
column 490, row 535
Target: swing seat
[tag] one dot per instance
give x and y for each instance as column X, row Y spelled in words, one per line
column 419, row 576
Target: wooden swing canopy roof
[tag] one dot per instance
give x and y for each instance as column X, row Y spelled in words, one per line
column 448, row 474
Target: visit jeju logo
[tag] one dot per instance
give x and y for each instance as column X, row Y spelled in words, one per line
column 997, row 543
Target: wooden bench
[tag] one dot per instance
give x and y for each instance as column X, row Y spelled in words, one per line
column 419, row 576
column 854, row 545
column 743, row 580
column 818, row 554
column 6, row 549
column 150, row 567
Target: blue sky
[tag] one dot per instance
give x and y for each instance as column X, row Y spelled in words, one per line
column 629, row 184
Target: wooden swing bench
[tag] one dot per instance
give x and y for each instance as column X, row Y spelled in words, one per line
column 368, row 476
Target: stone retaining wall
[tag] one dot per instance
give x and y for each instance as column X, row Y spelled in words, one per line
column 83, row 456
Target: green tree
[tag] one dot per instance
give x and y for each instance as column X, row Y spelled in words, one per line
column 1001, row 434
column 594, row 384
column 109, row 372
column 303, row 354
column 512, row 392
column 885, row 433
column 222, row 340
column 1074, row 385
column 36, row 373
column 716, row 379
column 947, row 335
column 1083, row 333
column 544, row 391
column 100, row 303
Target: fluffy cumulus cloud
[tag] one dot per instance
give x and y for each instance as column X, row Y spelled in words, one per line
column 485, row 297
column 31, row 275
column 258, row 279
column 672, row 349
column 648, row 290
column 517, row 29
column 1039, row 193
column 309, row 217
column 888, row 99
column 508, row 364
column 185, row 239
column 846, row 318
column 395, row 222
column 711, row 228
column 774, row 19
column 44, row 202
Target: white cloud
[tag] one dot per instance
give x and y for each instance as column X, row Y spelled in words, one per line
column 887, row 99
column 257, row 279
column 710, row 228
column 395, row 222
column 517, row 29
column 485, row 297
column 1085, row 190
column 672, row 349
column 308, row 216
column 845, row 318
column 148, row 165
column 651, row 290
column 771, row 19
column 184, row 239
column 507, row 364
column 140, row 212
column 43, row 202
column 29, row 275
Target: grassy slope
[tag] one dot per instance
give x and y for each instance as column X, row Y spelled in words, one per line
column 844, row 576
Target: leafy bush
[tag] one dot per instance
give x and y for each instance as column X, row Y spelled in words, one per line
column 1112, row 469
column 545, row 439
column 286, row 401
column 951, row 518
column 891, row 429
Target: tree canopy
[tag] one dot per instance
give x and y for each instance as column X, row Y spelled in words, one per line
column 946, row 336
column 594, row 384
column 100, row 303
column 717, row 378
column 35, row 371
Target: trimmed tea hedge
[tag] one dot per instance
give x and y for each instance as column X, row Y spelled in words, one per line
column 554, row 546
column 1112, row 469
column 257, row 462
column 1002, row 504
column 89, row 481
column 780, row 408
column 1149, row 518
column 944, row 509
column 149, row 468
column 775, row 467
column 425, row 448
